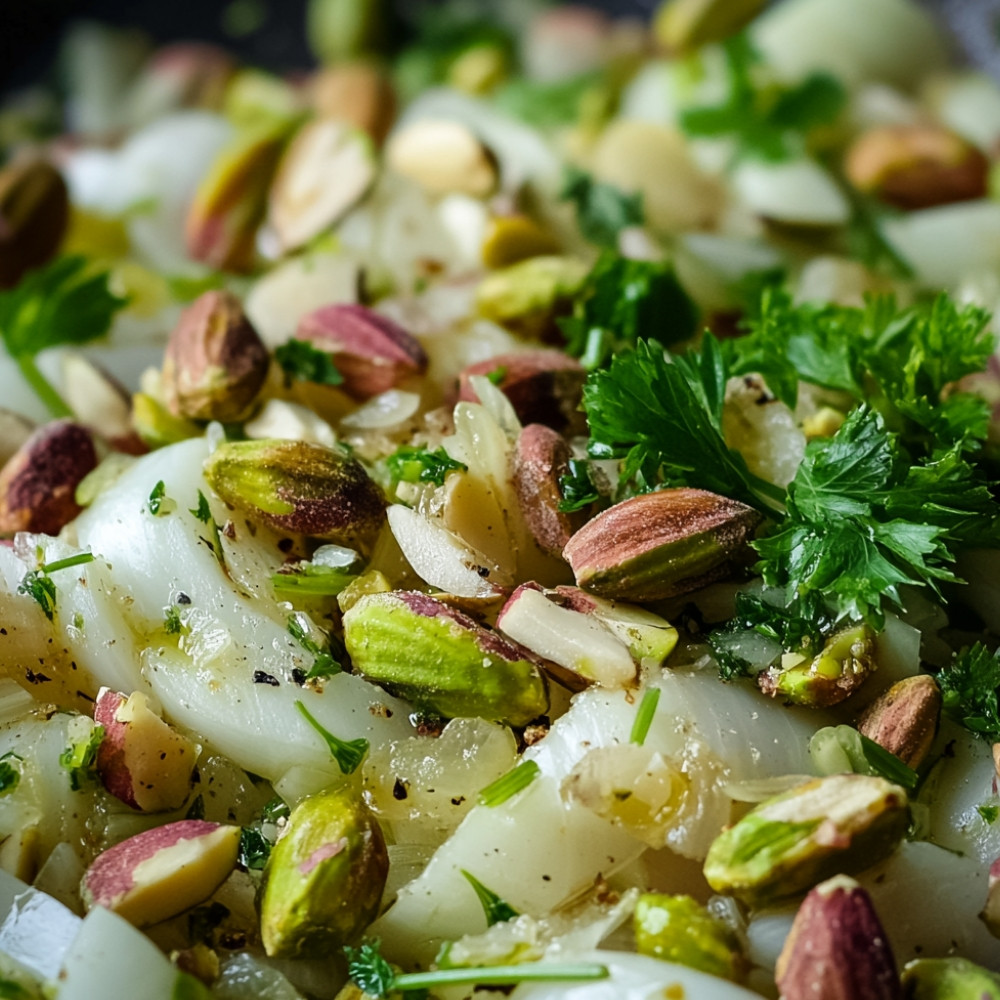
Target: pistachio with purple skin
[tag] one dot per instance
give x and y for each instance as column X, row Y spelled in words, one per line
column 34, row 213
column 215, row 363
column 294, row 486
column 371, row 352
column 905, row 719
column 447, row 664
column 38, row 484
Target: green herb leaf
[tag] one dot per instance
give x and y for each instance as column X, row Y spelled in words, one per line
column 347, row 753
column 421, row 465
column 172, row 623
column 602, row 211
column 577, row 488
column 368, row 970
column 203, row 512
column 969, row 687
column 254, row 849
column 300, row 360
column 989, row 814
column 324, row 663
column 644, row 716
column 10, row 773
column 65, row 302
column 311, row 580
column 80, row 757
column 37, row 585
column 496, row 909
column 508, row 785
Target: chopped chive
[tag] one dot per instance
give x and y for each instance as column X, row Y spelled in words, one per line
column 644, row 717
column 347, row 753
column 508, row 785
column 496, row 909
column 316, row 581
column 502, row 975
column 80, row 559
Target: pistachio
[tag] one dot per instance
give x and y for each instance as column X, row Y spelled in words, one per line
column 839, row 824
column 356, row 93
column 683, row 25
column 299, row 487
column 835, row 673
column 544, row 387
column 326, row 171
column 99, row 401
column 990, row 914
column 182, row 75
column 509, row 239
column 657, row 545
column 648, row 636
column 440, row 659
column 949, row 979
column 443, row 157
column 370, row 351
column 480, row 68
column 38, row 483
column 343, row 29
column 904, row 720
column 541, row 457
column 34, row 213
column 578, row 643
column 679, row 929
column 837, row 948
column 324, row 878
column 526, row 297
column 156, row 426
column 215, row 364
column 916, row 166
column 230, row 203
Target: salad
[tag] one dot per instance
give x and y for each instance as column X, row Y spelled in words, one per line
column 517, row 516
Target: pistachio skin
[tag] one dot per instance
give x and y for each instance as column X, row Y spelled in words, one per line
column 679, row 929
column 324, row 879
column 949, row 979
column 421, row 649
column 215, row 363
column 34, row 214
column 843, row 823
column 295, row 486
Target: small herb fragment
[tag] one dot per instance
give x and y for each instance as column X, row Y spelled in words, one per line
column 969, row 687
column 37, row 585
column 644, row 716
column 300, row 360
column 496, row 909
column 508, row 785
column 79, row 758
column 156, row 499
column 311, row 580
column 421, row 465
column 602, row 211
column 347, row 753
column 324, row 664
column 203, row 512
column 989, row 814
column 577, row 488
column 10, row 773
column 172, row 623
column 254, row 849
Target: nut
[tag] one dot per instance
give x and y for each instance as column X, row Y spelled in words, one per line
column 156, row 426
column 443, row 157
column 182, row 75
column 904, row 720
column 324, row 879
column 679, row 929
column 299, row 487
column 356, row 93
column 916, row 166
column 840, row 668
column 544, row 387
column 839, row 824
column 949, row 979
column 527, row 297
column 34, row 212
column 837, row 948
column 370, row 351
column 38, row 484
column 683, row 25
column 230, row 203
column 509, row 239
column 215, row 364
column 421, row 649
column 990, row 914
column 648, row 637
column 101, row 402
column 325, row 172
column 344, row 29
column 578, row 643
column 657, row 545
column 541, row 457
column 15, row 429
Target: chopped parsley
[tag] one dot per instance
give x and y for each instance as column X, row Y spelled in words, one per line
column 767, row 121
column 324, row 663
column 602, row 210
column 625, row 300
column 577, row 487
column 421, row 465
column 254, row 849
column 347, row 753
column 969, row 686
column 203, row 512
column 10, row 773
column 172, row 623
column 496, row 909
column 80, row 757
column 300, row 360
column 159, row 503
column 65, row 302
column 989, row 814
column 38, row 585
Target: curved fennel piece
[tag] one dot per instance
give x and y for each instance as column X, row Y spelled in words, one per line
column 228, row 674
column 542, row 846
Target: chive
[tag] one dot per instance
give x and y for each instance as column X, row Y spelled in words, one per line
column 79, row 559
column 496, row 909
column 347, row 753
column 644, row 717
column 508, row 785
column 502, row 975
column 317, row 581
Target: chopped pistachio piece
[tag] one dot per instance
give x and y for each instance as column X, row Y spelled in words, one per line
column 949, row 979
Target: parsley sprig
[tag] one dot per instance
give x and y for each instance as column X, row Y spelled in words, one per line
column 969, row 687
column 602, row 210
column 65, row 302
